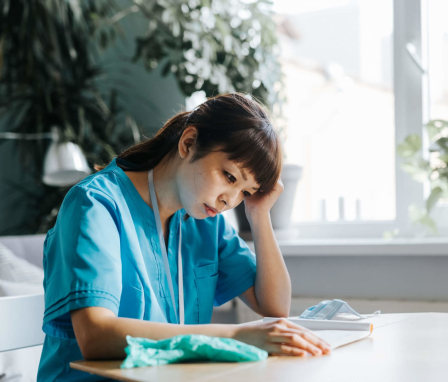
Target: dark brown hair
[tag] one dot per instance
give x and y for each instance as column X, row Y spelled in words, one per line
column 232, row 123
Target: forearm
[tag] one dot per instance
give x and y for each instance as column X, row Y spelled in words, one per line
column 101, row 335
column 272, row 283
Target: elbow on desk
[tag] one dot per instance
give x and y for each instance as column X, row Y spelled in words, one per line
column 277, row 311
column 277, row 308
column 280, row 313
column 89, row 345
column 96, row 347
column 96, row 335
column 272, row 310
column 269, row 307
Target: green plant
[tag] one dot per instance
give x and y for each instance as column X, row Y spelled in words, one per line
column 48, row 75
column 431, row 168
column 48, row 78
column 215, row 46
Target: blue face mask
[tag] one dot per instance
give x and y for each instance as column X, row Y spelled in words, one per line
column 333, row 309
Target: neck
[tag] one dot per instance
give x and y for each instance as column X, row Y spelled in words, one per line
column 165, row 185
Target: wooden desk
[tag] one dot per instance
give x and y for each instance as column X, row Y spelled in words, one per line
column 403, row 347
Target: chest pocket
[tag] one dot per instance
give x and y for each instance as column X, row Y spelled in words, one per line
column 206, row 278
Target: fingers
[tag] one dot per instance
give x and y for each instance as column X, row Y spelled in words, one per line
column 283, row 349
column 306, row 333
column 298, row 342
column 309, row 336
column 284, row 332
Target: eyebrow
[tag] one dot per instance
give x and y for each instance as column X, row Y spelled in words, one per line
column 243, row 174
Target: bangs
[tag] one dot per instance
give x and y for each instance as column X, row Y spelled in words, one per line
column 258, row 151
column 239, row 126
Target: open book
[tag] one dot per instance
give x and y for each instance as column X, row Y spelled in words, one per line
column 335, row 332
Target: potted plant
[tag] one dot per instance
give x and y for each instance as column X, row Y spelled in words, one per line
column 431, row 168
column 216, row 47
column 49, row 79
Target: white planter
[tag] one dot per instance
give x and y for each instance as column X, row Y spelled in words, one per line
column 282, row 209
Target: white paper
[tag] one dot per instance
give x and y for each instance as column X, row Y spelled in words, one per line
column 337, row 338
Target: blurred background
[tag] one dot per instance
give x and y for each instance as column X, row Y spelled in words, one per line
column 356, row 89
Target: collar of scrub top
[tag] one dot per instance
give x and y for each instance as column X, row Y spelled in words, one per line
column 180, row 318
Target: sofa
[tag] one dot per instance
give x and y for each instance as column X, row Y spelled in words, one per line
column 20, row 274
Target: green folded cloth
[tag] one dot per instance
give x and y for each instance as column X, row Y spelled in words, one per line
column 146, row 352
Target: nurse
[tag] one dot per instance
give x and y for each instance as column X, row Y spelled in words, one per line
column 140, row 248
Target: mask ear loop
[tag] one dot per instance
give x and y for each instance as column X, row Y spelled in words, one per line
column 349, row 309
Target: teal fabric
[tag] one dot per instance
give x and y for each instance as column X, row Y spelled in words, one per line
column 104, row 251
column 146, row 352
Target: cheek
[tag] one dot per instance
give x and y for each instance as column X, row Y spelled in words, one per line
column 198, row 183
column 193, row 188
column 201, row 185
column 205, row 182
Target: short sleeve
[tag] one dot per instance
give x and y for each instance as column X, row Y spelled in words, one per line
column 237, row 267
column 82, row 260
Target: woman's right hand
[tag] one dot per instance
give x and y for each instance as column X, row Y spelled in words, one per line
column 281, row 337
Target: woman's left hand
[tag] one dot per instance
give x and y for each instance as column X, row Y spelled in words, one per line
column 261, row 203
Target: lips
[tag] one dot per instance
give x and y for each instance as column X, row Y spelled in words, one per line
column 211, row 212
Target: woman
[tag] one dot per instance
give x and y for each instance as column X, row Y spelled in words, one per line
column 140, row 248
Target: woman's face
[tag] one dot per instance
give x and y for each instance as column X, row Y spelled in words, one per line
column 213, row 184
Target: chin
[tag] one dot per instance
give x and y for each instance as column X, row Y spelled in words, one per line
column 196, row 213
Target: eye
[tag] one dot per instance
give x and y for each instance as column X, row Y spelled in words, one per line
column 229, row 177
column 246, row 194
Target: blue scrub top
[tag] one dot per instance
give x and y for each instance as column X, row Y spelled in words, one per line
column 104, row 251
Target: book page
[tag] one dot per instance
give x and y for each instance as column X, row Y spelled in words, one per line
column 337, row 338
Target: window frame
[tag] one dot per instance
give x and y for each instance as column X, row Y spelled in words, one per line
column 411, row 107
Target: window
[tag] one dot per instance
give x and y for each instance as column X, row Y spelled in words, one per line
column 354, row 92
column 337, row 58
column 438, row 58
column 438, row 63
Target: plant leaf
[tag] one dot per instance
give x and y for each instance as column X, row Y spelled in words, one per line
column 433, row 198
column 410, row 147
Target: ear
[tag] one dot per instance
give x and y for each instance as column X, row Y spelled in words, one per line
column 187, row 142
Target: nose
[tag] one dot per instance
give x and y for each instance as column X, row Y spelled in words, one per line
column 230, row 199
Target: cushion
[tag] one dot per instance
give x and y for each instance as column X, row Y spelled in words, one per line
column 27, row 247
column 18, row 276
column 20, row 365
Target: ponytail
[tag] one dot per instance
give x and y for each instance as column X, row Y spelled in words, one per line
column 146, row 155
